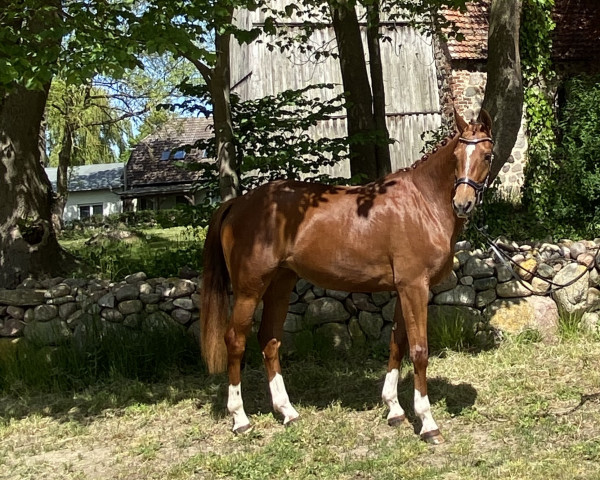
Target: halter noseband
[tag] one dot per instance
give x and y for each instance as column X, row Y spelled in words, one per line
column 478, row 187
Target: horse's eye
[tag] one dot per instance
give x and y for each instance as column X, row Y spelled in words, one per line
column 488, row 157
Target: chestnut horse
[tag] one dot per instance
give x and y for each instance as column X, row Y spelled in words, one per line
column 395, row 234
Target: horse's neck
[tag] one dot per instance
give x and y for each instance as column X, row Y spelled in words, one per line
column 435, row 177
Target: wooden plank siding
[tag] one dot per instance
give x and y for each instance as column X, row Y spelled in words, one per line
column 410, row 76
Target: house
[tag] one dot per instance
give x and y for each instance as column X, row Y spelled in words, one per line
column 156, row 176
column 93, row 190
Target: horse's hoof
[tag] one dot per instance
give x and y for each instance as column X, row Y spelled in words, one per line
column 291, row 422
column 243, row 429
column 433, row 437
column 396, row 421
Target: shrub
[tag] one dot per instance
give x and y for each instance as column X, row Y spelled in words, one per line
column 115, row 259
column 570, row 205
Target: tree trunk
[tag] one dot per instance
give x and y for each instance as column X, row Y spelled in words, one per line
column 359, row 108
column 382, row 148
column 220, row 86
column 503, row 97
column 28, row 244
column 62, row 177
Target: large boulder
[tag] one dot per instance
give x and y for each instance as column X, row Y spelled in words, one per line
column 371, row 324
column 333, row 336
column 571, row 299
column 325, row 310
column 516, row 315
column 21, row 297
column 460, row 295
column 42, row 334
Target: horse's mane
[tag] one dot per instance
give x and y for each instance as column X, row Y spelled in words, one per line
column 436, row 147
column 425, row 157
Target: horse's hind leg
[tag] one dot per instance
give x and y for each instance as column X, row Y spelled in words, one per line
column 398, row 346
column 235, row 338
column 276, row 300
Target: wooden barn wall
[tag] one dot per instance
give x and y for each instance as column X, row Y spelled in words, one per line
column 412, row 97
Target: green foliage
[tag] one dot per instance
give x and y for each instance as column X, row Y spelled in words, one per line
column 453, row 332
column 77, row 40
column 273, row 140
column 97, row 138
column 569, row 325
column 182, row 216
column 536, row 47
column 506, row 217
column 273, row 136
column 574, row 198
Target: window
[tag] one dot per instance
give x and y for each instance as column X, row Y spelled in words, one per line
column 179, row 155
column 165, row 155
column 86, row 211
column 146, row 203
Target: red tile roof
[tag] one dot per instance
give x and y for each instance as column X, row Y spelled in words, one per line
column 473, row 25
column 577, row 33
column 575, row 38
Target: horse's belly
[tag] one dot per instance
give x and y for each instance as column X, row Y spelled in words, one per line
column 339, row 272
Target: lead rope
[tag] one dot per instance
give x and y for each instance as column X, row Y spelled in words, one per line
column 507, row 261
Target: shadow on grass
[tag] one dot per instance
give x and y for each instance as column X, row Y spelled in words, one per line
column 354, row 384
column 352, row 381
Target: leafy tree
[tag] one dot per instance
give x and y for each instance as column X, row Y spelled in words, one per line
column 273, row 140
column 201, row 32
column 38, row 40
column 92, row 123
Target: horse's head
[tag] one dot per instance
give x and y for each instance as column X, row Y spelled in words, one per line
column 474, row 161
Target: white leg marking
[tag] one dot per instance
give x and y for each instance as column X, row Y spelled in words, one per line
column 423, row 410
column 389, row 394
column 235, row 405
column 281, row 401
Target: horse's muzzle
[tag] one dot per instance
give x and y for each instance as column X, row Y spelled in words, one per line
column 463, row 209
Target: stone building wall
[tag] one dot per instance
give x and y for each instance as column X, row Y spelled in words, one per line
column 481, row 293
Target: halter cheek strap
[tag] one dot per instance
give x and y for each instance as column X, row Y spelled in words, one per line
column 478, row 187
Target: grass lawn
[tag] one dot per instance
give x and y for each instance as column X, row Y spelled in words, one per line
column 156, row 251
column 522, row 411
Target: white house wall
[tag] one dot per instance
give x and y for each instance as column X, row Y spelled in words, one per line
column 111, row 203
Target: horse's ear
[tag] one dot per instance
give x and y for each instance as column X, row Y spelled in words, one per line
column 484, row 117
column 460, row 122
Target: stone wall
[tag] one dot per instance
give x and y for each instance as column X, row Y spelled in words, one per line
column 481, row 292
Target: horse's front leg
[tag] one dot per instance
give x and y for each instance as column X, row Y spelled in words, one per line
column 414, row 298
column 398, row 346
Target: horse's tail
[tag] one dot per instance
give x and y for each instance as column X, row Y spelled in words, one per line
column 215, row 296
